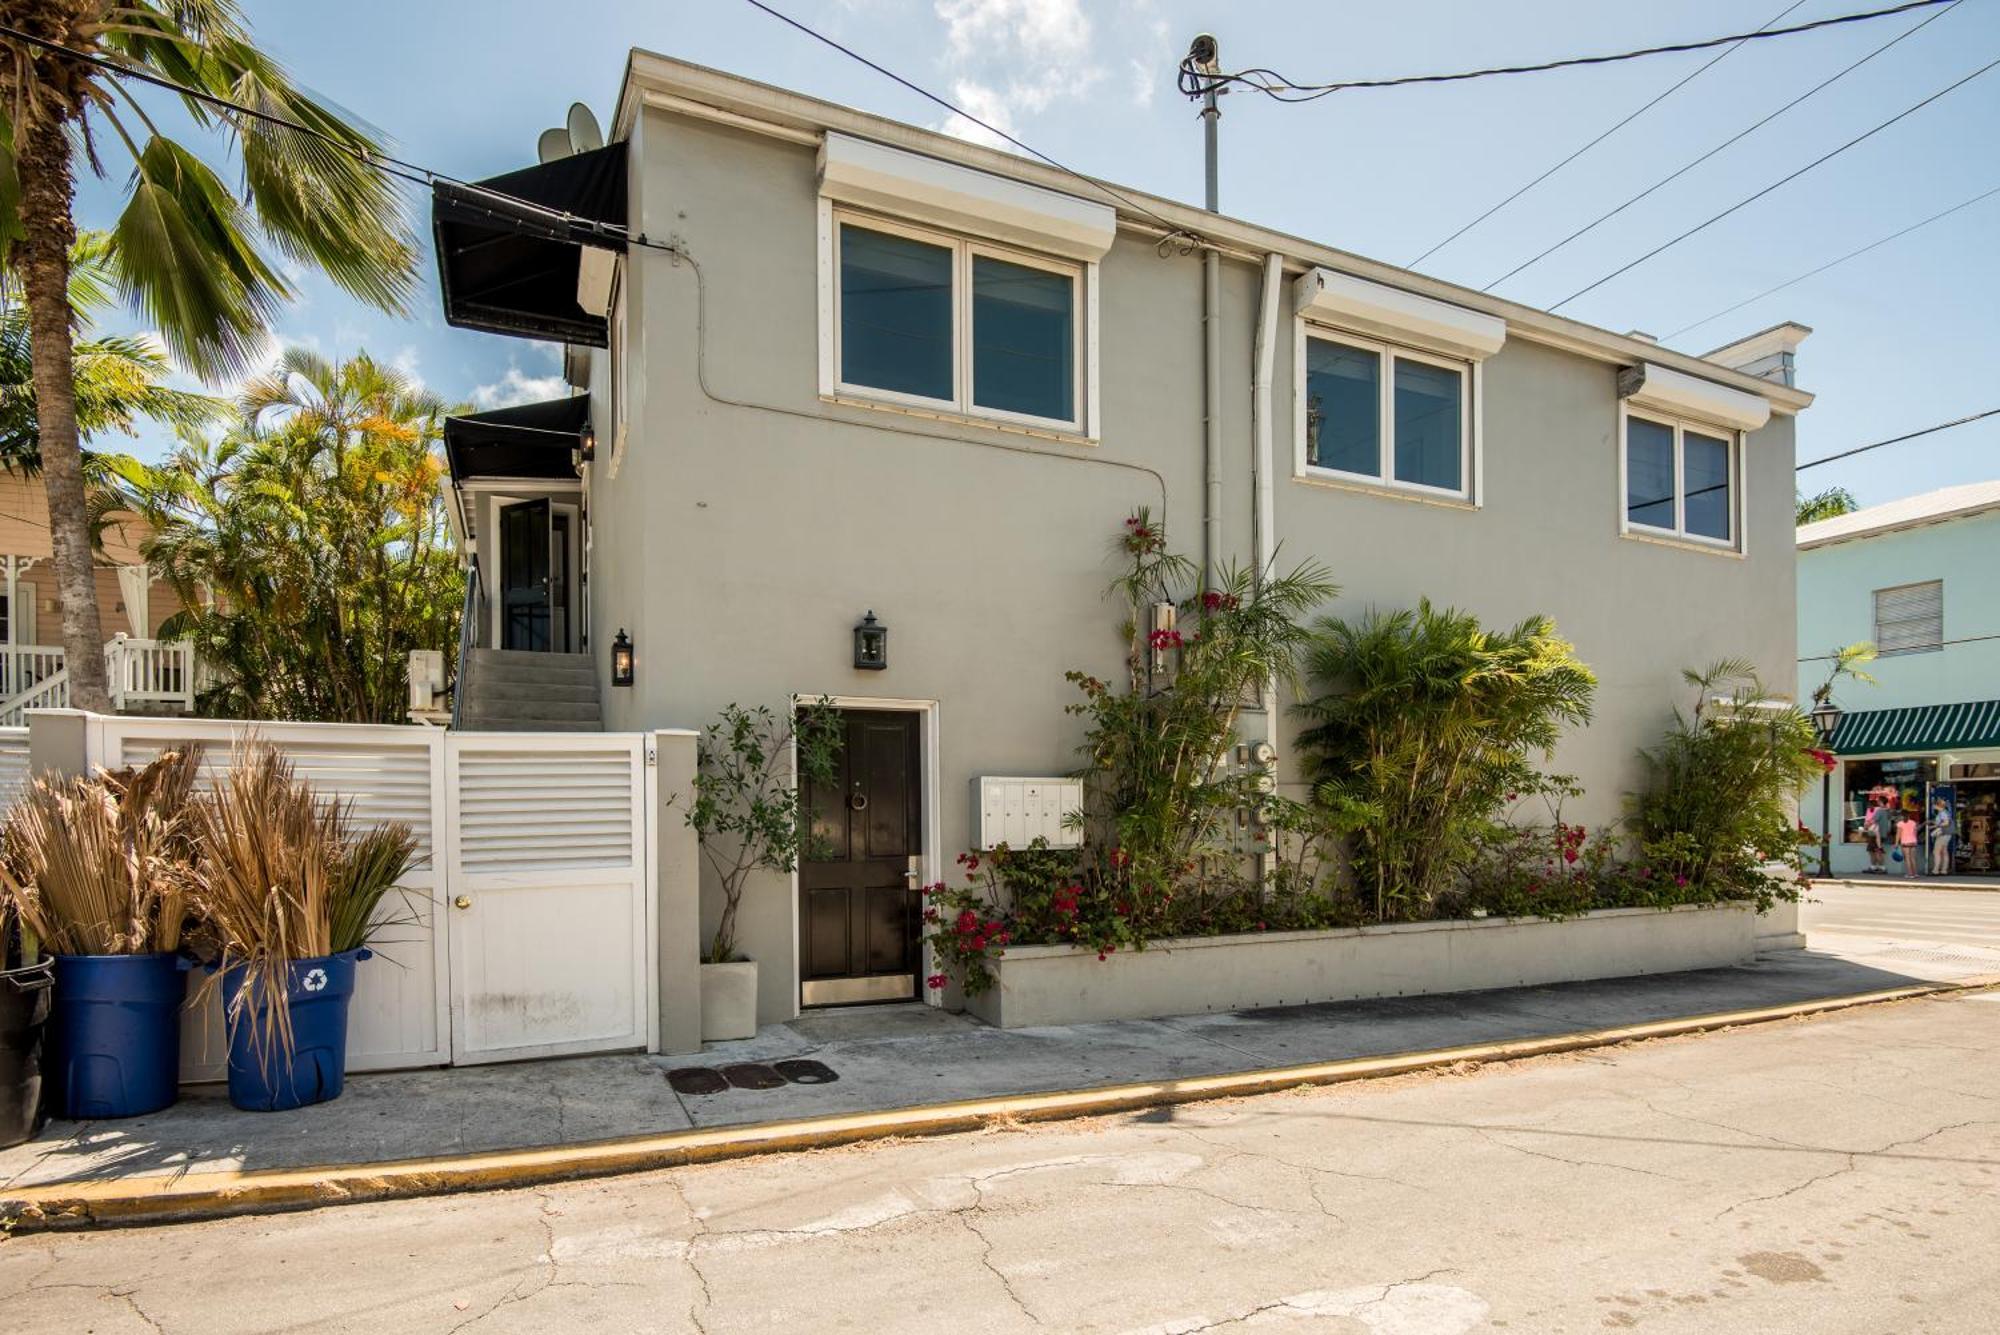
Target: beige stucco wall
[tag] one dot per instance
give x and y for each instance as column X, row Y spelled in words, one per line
column 738, row 544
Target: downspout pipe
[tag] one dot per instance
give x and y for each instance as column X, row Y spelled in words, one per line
column 1211, row 406
column 1263, row 546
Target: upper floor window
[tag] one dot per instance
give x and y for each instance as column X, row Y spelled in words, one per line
column 1909, row 619
column 1386, row 414
column 934, row 320
column 1681, row 479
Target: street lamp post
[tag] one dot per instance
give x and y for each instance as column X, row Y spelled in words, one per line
column 1826, row 721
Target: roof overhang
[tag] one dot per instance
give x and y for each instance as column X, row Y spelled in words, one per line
column 530, row 253
column 535, row 442
column 680, row 86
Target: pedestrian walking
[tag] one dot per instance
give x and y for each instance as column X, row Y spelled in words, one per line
column 1906, row 843
column 1942, row 834
column 1883, row 820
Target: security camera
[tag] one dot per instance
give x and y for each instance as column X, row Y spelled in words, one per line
column 1205, row 55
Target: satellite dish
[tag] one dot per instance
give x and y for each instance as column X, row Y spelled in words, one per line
column 584, row 134
column 552, row 145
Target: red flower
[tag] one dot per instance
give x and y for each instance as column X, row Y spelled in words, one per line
column 932, row 915
column 1165, row 639
column 968, row 922
column 936, row 982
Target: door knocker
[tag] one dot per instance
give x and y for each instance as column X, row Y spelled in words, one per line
column 857, row 800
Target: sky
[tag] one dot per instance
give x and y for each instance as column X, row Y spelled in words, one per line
column 1904, row 337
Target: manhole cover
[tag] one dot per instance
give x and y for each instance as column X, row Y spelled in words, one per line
column 801, row 1071
column 752, row 1075
column 696, row 1080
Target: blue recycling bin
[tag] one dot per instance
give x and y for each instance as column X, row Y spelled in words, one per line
column 314, row 1071
column 117, row 1034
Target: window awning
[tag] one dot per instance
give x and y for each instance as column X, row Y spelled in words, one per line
column 1871, row 732
column 529, row 440
column 514, row 251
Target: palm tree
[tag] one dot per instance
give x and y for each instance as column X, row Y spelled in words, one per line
column 309, row 547
column 186, row 252
column 119, row 379
column 1828, row 504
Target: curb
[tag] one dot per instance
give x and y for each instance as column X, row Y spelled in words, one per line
column 196, row 1196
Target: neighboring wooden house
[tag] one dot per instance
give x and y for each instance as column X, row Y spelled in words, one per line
column 147, row 673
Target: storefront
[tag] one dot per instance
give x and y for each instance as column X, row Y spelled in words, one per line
column 1911, row 760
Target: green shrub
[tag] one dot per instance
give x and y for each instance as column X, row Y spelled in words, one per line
column 1428, row 727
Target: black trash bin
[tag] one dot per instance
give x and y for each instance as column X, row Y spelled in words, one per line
column 24, row 1019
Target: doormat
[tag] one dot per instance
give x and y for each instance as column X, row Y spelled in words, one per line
column 705, row 1080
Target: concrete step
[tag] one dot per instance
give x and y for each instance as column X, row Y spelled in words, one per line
column 510, row 672
column 532, row 658
column 576, row 711
column 481, row 688
column 531, row 725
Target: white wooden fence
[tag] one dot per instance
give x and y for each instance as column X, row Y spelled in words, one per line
column 141, row 674
column 535, row 900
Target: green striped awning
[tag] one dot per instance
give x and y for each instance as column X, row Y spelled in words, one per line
column 1868, row 732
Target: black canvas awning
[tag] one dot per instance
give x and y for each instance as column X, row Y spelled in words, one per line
column 530, row 440
column 511, row 268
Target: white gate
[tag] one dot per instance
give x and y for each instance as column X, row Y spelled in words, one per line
column 546, row 838
column 553, row 933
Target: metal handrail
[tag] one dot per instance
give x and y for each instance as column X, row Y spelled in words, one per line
column 468, row 637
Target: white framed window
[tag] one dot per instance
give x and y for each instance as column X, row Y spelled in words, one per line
column 1681, row 480
column 933, row 320
column 1383, row 414
column 1909, row 618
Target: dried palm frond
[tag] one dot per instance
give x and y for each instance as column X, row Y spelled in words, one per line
column 95, row 866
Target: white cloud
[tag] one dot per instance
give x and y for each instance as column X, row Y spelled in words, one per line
column 516, row 386
column 1014, row 58
column 405, row 362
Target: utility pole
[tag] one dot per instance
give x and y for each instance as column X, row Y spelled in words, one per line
column 1204, row 56
column 1199, row 80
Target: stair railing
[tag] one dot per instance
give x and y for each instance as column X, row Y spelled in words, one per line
column 471, row 618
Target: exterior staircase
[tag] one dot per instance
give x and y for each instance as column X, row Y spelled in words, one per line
column 516, row 690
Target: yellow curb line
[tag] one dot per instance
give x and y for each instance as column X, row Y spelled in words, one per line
column 219, row 1194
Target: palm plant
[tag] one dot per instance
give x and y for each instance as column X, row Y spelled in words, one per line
column 119, row 379
column 1828, row 504
column 1428, row 726
column 201, row 265
column 96, row 866
column 309, row 548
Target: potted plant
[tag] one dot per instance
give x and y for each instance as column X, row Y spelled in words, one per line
column 745, row 810
column 289, row 892
column 92, row 868
column 27, row 978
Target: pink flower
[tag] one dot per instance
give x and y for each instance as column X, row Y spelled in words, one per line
column 936, row 982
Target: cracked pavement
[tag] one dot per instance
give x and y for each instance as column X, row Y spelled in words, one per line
column 1837, row 1174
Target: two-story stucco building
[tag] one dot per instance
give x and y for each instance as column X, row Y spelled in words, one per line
column 1914, row 577
column 847, row 366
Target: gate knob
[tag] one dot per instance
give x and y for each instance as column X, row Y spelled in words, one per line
column 463, row 902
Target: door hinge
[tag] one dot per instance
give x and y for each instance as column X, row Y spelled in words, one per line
column 652, row 756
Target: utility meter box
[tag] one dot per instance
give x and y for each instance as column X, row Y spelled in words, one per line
column 1016, row 812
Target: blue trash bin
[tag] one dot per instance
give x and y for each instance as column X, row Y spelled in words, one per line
column 315, row 1069
column 117, row 1034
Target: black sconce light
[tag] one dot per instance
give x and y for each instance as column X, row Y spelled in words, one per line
column 871, row 644
column 586, row 442
column 621, row 659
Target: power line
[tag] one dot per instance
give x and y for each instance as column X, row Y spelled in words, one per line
column 1787, row 180
column 1659, row 98
column 1852, row 254
column 1896, row 440
column 1173, row 229
column 1276, row 85
column 1739, row 135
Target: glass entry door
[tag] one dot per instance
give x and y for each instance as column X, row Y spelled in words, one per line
column 525, row 576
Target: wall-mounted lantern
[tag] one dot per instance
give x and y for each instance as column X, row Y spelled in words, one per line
column 586, row 442
column 871, row 644
column 621, row 659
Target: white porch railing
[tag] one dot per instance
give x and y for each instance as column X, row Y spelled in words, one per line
column 151, row 674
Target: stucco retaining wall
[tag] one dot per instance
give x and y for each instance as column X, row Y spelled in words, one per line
column 1043, row 985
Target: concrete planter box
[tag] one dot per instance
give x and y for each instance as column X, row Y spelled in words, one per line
column 728, row 1001
column 1042, row 985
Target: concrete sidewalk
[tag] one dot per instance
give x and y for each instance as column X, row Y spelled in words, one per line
column 884, row 1058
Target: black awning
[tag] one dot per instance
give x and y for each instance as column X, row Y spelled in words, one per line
column 511, row 268
column 530, row 440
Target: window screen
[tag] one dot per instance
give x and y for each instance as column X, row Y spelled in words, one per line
column 1909, row 618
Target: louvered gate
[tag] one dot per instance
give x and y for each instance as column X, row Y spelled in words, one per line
column 552, row 931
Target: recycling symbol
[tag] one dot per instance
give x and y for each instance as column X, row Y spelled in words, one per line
column 315, row 980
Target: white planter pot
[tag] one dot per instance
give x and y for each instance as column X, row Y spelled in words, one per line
column 728, row 1001
column 1043, row 985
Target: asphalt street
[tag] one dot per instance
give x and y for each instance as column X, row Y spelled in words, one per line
column 1837, row 1174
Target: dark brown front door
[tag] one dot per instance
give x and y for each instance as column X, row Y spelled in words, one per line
column 858, row 900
